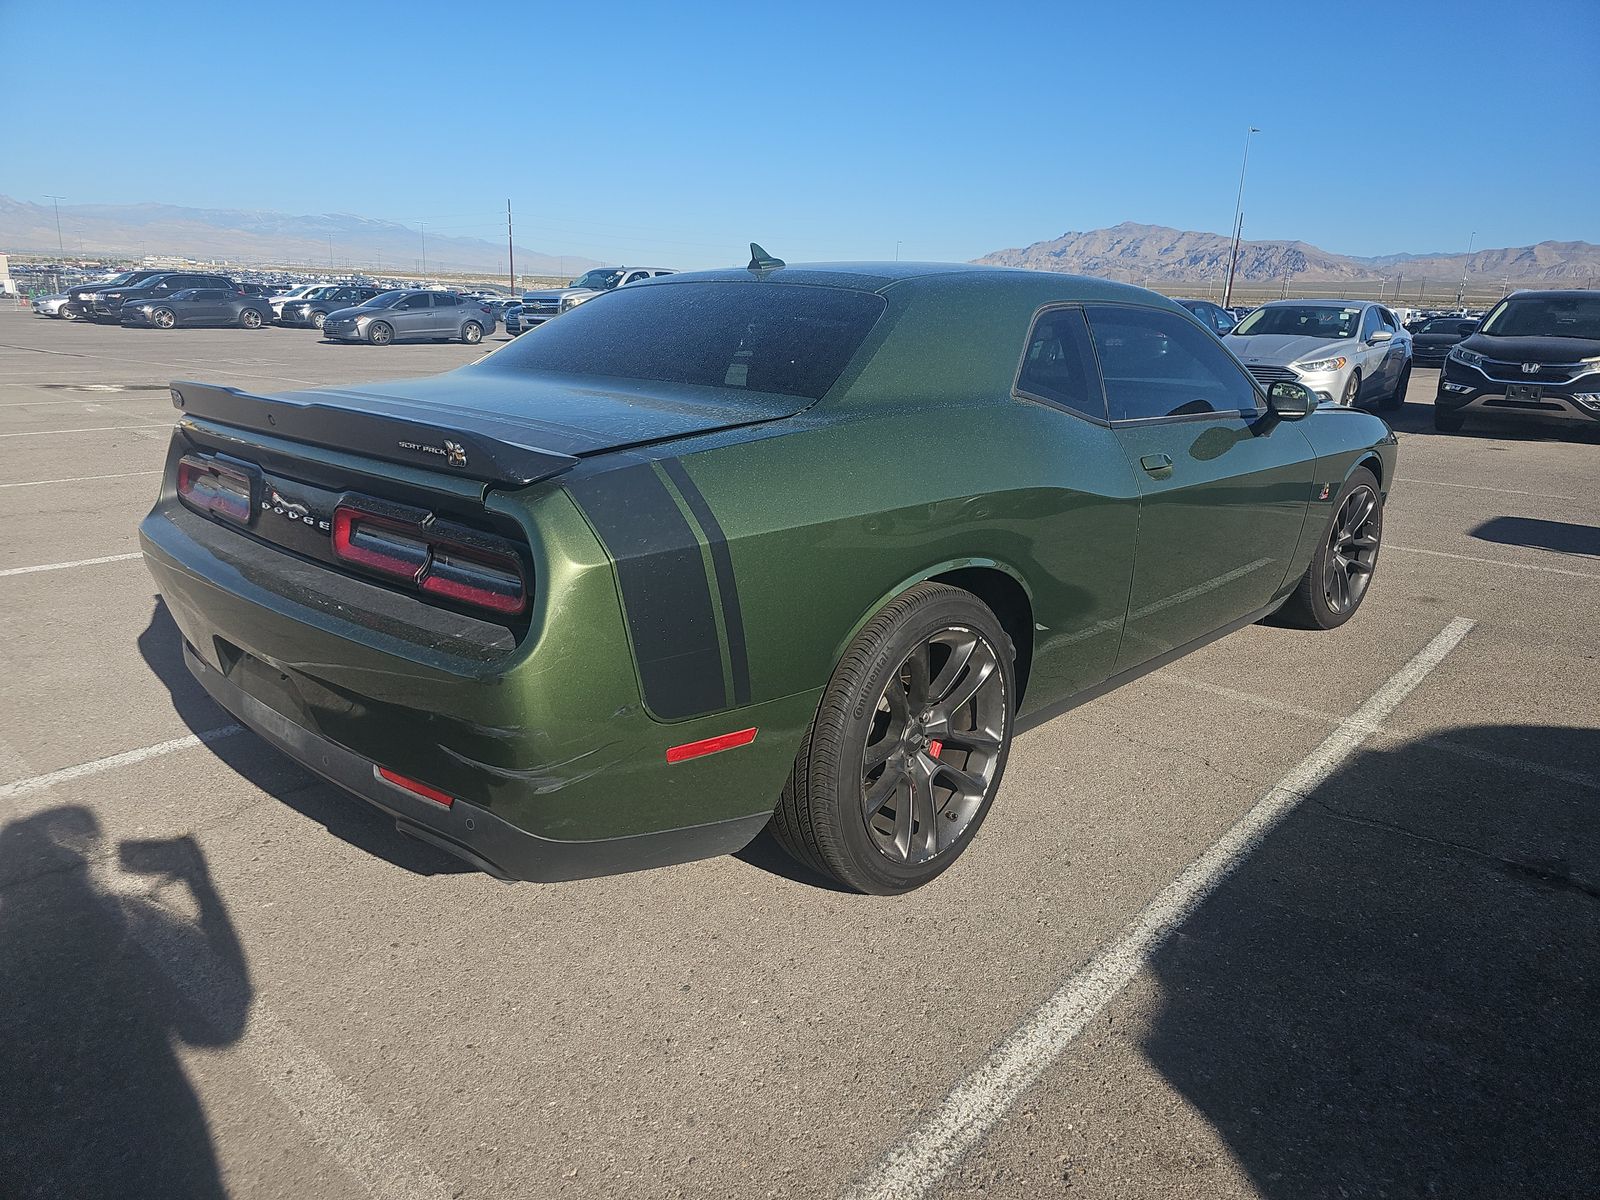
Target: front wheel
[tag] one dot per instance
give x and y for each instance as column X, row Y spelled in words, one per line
column 250, row 318
column 380, row 333
column 472, row 333
column 317, row 319
column 1397, row 399
column 163, row 318
column 904, row 757
column 1341, row 570
column 1352, row 390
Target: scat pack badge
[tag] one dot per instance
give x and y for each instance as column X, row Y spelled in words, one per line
column 453, row 453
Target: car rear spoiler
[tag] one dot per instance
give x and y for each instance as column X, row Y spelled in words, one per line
column 490, row 451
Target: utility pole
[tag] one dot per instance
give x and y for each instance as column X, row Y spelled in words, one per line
column 330, row 252
column 511, row 251
column 1238, row 217
column 1465, row 263
column 424, row 253
column 61, row 246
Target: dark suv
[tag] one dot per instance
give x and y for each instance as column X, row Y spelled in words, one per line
column 107, row 303
column 1537, row 354
column 80, row 300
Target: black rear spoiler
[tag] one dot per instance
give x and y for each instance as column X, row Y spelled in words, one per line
column 491, row 452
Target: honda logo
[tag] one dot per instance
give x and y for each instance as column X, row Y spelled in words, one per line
column 1530, row 368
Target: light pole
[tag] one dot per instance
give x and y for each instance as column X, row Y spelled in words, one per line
column 1238, row 218
column 1465, row 263
column 61, row 246
column 511, row 251
column 897, row 252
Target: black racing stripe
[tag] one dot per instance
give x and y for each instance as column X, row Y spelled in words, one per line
column 722, row 561
column 664, row 591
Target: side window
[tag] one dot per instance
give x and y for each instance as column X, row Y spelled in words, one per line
column 445, row 300
column 1058, row 364
column 412, row 303
column 1370, row 321
column 637, row 275
column 1390, row 322
column 1156, row 364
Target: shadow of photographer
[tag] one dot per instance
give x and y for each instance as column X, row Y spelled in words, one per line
column 97, row 989
column 1396, row 994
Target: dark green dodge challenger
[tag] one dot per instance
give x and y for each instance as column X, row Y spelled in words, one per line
column 801, row 546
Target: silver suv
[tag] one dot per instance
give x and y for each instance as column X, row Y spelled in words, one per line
column 538, row 307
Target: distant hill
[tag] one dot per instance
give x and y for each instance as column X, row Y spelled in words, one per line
column 1162, row 255
column 134, row 230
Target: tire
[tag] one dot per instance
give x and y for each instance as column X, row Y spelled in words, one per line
column 68, row 315
column 1352, row 390
column 380, row 333
column 317, row 319
column 250, row 318
column 1318, row 602
column 163, row 318
column 471, row 333
column 1447, row 422
column 1396, row 399
column 827, row 818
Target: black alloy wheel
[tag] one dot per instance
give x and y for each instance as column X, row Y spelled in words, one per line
column 1352, row 549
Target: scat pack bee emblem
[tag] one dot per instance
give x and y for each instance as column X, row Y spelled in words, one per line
column 453, row 453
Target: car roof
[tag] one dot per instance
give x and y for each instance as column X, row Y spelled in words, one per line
column 1551, row 293
column 1331, row 303
column 881, row 276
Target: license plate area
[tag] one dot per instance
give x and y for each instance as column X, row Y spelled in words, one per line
column 1523, row 391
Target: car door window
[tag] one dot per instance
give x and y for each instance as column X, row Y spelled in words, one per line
column 412, row 303
column 441, row 300
column 637, row 275
column 1157, row 364
column 1058, row 364
column 1370, row 320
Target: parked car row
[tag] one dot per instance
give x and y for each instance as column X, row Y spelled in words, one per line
column 170, row 299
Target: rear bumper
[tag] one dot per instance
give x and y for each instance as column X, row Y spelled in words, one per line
column 471, row 833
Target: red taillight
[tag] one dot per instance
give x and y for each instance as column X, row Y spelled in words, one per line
column 213, row 486
column 414, row 787
column 443, row 560
column 710, row 745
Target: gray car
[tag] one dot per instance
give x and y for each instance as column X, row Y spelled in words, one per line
column 54, row 306
column 313, row 308
column 1349, row 352
column 410, row 316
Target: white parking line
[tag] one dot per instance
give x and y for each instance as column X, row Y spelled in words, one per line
column 1499, row 562
column 82, row 562
column 965, row 1117
column 1477, row 487
column 85, row 429
column 38, row 783
column 78, row 479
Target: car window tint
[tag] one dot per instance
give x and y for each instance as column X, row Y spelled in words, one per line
column 413, row 302
column 777, row 338
column 1058, row 364
column 1369, row 323
column 1156, row 364
column 443, row 300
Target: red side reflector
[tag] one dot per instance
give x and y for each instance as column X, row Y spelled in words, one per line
column 723, row 741
column 411, row 785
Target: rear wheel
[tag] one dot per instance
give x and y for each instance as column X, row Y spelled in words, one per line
column 250, row 319
column 906, row 752
column 1397, row 399
column 472, row 333
column 1352, row 390
column 380, row 333
column 163, row 318
column 1341, row 570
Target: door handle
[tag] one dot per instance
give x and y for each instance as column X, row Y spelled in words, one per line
column 1158, row 465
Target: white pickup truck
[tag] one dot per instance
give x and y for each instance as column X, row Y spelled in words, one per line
column 538, row 307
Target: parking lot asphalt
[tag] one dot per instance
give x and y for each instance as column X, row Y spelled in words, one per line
column 219, row 975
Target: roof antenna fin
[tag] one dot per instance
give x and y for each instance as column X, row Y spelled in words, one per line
column 760, row 260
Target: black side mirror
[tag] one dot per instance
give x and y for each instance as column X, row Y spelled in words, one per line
column 1290, row 401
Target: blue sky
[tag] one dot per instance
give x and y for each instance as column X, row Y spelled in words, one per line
column 680, row 132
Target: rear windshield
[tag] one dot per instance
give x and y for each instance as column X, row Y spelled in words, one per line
column 1328, row 322
column 758, row 337
column 1545, row 316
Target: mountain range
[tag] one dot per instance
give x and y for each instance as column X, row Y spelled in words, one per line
column 1158, row 254
column 239, row 236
